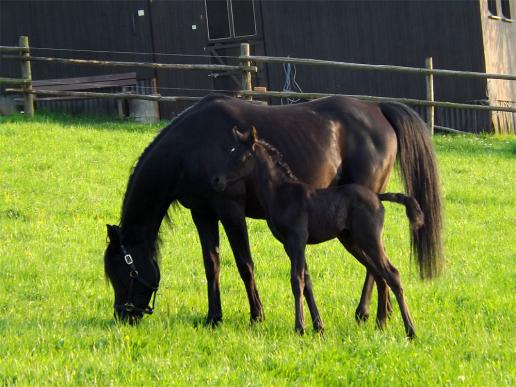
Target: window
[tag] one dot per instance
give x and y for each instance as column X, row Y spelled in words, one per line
column 230, row 19
column 491, row 6
column 506, row 9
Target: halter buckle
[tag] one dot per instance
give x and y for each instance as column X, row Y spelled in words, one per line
column 128, row 259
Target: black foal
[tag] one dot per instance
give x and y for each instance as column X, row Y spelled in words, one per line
column 298, row 214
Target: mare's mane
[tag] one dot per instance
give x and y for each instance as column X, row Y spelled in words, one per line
column 155, row 246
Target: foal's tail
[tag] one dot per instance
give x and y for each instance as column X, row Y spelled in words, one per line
column 418, row 166
column 414, row 212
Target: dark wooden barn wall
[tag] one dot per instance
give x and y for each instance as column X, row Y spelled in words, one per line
column 78, row 24
column 172, row 31
column 377, row 32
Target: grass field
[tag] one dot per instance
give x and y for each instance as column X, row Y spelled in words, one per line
column 62, row 179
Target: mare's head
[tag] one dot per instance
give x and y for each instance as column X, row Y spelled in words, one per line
column 134, row 275
column 241, row 160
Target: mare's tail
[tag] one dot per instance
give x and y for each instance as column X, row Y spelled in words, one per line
column 412, row 208
column 418, row 166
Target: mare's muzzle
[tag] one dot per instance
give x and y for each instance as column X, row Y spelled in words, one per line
column 129, row 312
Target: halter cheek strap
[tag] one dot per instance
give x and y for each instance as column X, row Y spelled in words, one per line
column 134, row 276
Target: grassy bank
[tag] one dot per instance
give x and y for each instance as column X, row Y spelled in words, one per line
column 62, row 179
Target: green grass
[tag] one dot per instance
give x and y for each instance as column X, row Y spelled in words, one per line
column 62, row 179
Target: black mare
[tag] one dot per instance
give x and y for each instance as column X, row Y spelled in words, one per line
column 327, row 142
column 298, row 214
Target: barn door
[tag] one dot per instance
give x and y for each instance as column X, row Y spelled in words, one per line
column 228, row 24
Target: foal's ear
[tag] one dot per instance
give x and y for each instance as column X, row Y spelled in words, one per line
column 113, row 233
column 253, row 136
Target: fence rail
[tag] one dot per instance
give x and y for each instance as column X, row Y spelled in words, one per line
column 409, row 101
column 13, row 49
column 107, row 63
column 14, row 81
column 245, row 68
column 370, row 67
column 91, row 94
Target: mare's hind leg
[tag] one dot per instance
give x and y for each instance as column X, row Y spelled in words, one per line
column 310, row 300
column 233, row 219
column 207, row 227
column 362, row 312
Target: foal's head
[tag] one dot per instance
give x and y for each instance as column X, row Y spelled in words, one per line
column 241, row 160
column 134, row 275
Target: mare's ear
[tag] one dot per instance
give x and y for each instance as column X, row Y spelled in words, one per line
column 239, row 136
column 113, row 233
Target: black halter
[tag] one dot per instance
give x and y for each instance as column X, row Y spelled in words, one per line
column 134, row 276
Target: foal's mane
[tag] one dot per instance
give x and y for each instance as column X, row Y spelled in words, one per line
column 277, row 158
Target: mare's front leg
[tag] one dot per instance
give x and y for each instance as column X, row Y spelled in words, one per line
column 232, row 216
column 296, row 252
column 207, row 227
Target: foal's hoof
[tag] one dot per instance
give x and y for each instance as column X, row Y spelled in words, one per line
column 300, row 331
column 411, row 335
column 361, row 316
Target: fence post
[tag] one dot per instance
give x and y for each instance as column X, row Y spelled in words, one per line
column 430, row 110
column 26, row 73
column 245, row 50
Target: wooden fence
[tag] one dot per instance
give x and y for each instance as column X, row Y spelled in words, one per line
column 246, row 69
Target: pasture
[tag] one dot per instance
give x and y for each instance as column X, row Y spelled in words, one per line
column 62, row 179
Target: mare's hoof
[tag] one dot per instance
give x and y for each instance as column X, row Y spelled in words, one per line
column 256, row 318
column 361, row 316
column 300, row 331
column 381, row 324
column 213, row 322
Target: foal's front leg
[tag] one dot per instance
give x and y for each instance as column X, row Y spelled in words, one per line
column 310, row 300
column 296, row 252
